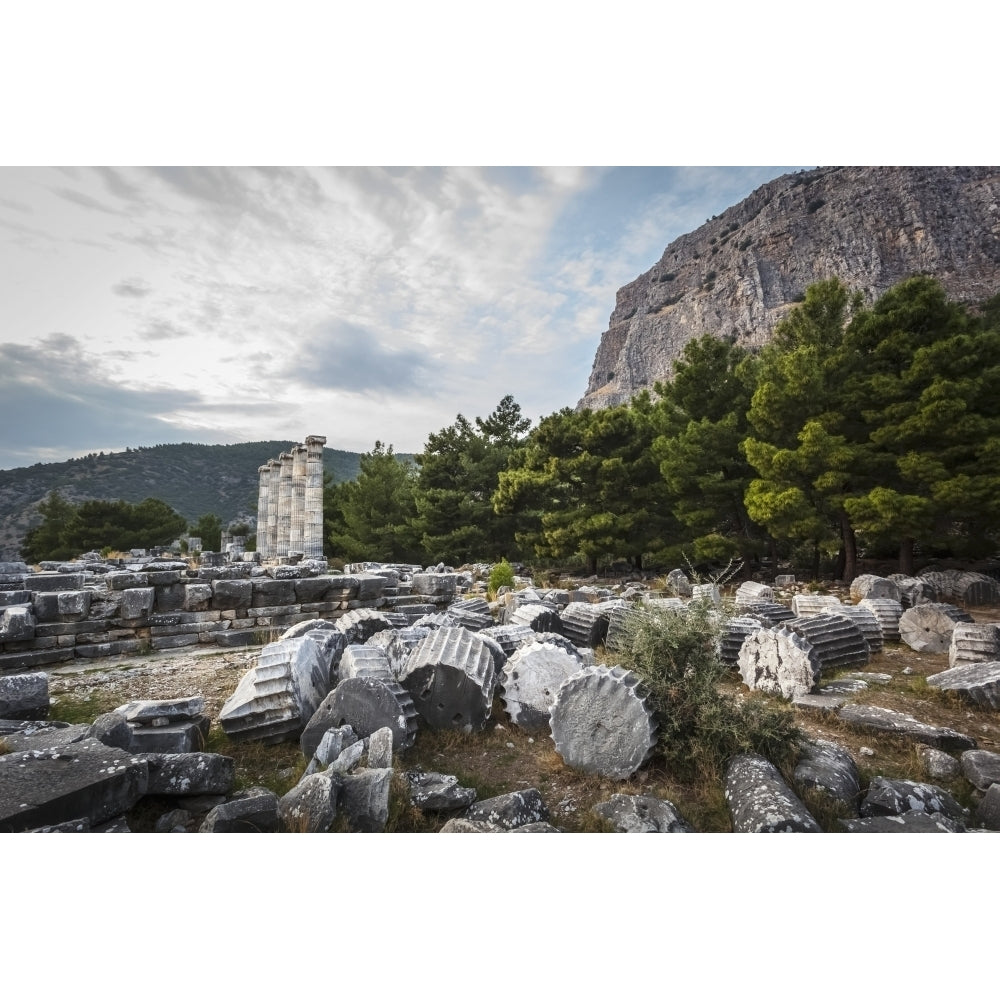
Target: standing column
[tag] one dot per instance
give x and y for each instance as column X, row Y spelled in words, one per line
column 312, row 543
column 273, row 496
column 262, row 512
column 298, row 499
column 284, row 504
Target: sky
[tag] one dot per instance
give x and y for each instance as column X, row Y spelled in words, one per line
column 147, row 305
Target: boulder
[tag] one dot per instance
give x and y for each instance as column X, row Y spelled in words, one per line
column 828, row 769
column 507, row 811
column 642, row 814
column 888, row 797
column 435, row 792
column 981, row 768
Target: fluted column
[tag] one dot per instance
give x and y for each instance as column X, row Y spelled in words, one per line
column 298, row 521
column 312, row 543
column 273, row 495
column 284, row 504
column 264, row 472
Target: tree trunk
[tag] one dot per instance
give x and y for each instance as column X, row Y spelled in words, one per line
column 906, row 556
column 850, row 550
column 815, row 569
column 592, row 563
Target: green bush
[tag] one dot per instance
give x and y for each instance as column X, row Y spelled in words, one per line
column 675, row 653
column 502, row 575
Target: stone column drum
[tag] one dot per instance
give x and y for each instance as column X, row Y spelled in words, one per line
column 298, row 516
column 312, row 543
column 264, row 472
column 284, row 504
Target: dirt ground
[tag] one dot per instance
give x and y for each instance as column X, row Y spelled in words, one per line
column 504, row 758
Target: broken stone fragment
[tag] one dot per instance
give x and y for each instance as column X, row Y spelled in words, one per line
column 642, row 814
column 190, row 774
column 252, row 811
column 827, row 769
column 779, row 662
column 311, row 806
column 450, row 677
column 975, row 682
column 981, row 768
column 806, row 605
column 364, row 800
column 435, row 792
column 888, row 797
column 974, row 643
column 112, row 730
column 988, row 811
column 601, row 722
column 760, row 800
column 510, row 810
column 940, row 766
column 868, row 585
column 380, row 748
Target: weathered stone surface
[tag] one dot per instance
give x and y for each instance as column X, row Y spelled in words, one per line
column 331, row 745
column 470, row 613
column 380, row 748
column 366, row 704
column 867, row 624
column 908, row 822
column 584, row 624
column 887, row 797
column 24, row 696
column 508, row 811
column 174, row 821
column 836, row 639
column 988, row 811
column 272, row 593
column 939, row 765
column 601, row 722
column 928, row 627
column 778, row 662
column 531, row 678
column 40, row 734
column 750, row 592
column 827, row 768
column 137, row 602
column 178, row 737
column 458, row 824
column 888, row 613
column 364, row 800
column 885, row 720
column 47, row 583
column 311, row 806
column 229, row 595
column 399, row 643
column 435, row 792
column 173, row 709
column 17, row 624
column 976, row 682
column 869, row 585
column 440, row 586
column 736, row 630
column 974, row 643
column 252, row 811
column 535, row 828
column 348, row 758
column 642, row 814
column 359, row 625
column 806, row 605
column 85, row 779
column 538, row 616
column 981, row 768
column 770, row 614
column 277, row 697
column 190, row 774
column 913, row 590
column 760, row 800
column 450, row 677
column 112, row 729
column 364, row 661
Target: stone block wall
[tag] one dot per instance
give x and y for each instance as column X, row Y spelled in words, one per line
column 53, row 617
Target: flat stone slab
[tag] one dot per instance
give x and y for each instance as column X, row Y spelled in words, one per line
column 760, row 800
column 976, row 682
column 601, row 722
column 83, row 780
column 434, row 792
column 642, row 814
column 508, row 811
column 35, row 735
column 885, row 720
column 822, row 701
column 178, row 737
column 981, row 768
column 174, row 709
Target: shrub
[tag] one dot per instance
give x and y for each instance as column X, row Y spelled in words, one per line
column 675, row 653
column 502, row 575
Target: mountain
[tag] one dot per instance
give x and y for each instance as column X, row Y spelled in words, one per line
column 194, row 479
column 740, row 272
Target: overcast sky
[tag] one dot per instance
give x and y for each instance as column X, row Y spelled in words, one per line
column 217, row 305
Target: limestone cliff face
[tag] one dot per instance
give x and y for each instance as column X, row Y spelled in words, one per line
column 738, row 274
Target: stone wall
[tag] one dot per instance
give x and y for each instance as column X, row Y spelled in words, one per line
column 95, row 610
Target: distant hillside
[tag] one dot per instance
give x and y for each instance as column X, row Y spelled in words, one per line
column 194, row 479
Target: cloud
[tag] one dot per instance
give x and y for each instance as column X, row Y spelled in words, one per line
column 134, row 288
column 159, row 329
column 84, row 200
column 346, row 356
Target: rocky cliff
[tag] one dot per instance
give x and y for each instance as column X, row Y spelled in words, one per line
column 738, row 274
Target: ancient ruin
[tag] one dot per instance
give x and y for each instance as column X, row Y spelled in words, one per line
column 290, row 503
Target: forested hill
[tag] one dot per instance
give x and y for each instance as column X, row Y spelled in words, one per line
column 194, row 479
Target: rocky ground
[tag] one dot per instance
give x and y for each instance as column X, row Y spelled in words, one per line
column 504, row 758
